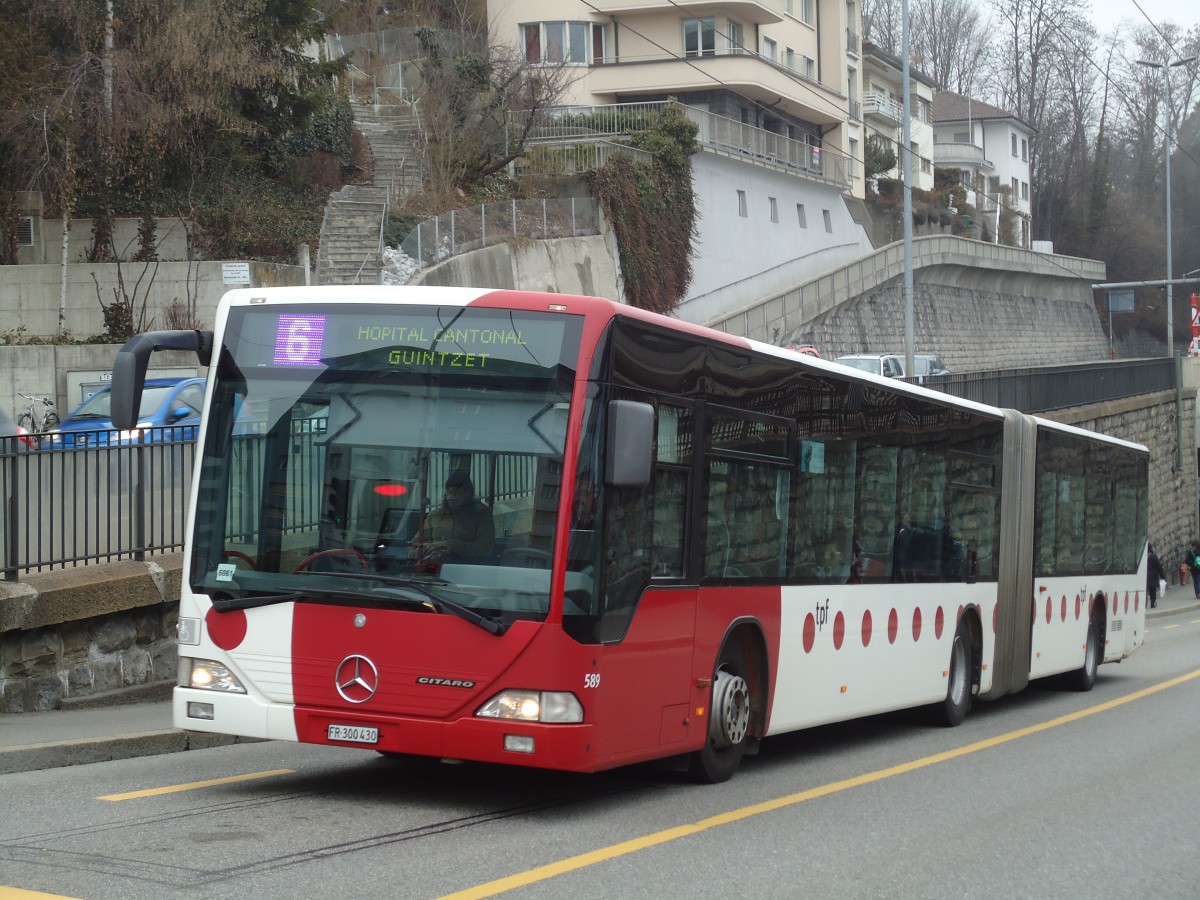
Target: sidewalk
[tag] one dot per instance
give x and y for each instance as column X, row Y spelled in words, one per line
column 48, row 740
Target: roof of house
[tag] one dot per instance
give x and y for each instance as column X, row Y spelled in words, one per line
column 951, row 107
column 873, row 50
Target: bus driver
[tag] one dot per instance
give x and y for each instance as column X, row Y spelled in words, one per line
column 462, row 530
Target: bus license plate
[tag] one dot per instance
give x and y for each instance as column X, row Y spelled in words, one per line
column 356, row 734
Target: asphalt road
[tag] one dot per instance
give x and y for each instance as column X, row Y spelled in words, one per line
column 1046, row 794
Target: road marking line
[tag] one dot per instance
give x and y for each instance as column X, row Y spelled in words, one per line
column 11, row 893
column 194, row 785
column 583, row 860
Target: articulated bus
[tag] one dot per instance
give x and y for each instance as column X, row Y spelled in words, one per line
column 557, row 531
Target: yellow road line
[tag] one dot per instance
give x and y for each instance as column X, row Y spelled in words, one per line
column 194, row 785
column 11, row 893
column 573, row 863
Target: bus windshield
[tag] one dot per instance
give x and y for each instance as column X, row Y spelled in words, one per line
column 405, row 456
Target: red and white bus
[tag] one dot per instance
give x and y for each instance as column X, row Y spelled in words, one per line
column 557, row 531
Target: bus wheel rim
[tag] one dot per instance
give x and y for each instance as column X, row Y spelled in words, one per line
column 731, row 709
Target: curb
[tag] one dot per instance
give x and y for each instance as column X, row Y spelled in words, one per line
column 1159, row 612
column 82, row 751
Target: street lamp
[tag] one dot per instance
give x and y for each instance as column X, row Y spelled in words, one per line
column 1166, row 67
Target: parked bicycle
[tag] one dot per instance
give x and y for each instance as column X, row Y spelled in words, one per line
column 41, row 416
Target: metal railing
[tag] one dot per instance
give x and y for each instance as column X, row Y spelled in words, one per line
column 729, row 137
column 1039, row 389
column 461, row 230
column 99, row 504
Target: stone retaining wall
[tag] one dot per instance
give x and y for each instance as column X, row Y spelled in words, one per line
column 91, row 632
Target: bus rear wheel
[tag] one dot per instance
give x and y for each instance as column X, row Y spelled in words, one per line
column 728, row 722
column 1083, row 678
column 953, row 709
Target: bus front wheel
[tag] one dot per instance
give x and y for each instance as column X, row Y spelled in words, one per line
column 728, row 722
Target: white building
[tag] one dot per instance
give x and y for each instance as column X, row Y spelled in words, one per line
column 774, row 86
column 883, row 112
column 990, row 148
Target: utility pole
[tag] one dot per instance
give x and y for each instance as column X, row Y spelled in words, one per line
column 1167, row 67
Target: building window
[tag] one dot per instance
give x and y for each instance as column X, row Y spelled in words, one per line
column 806, row 11
column 1024, row 150
column 770, row 50
column 550, row 43
column 810, row 67
column 599, row 54
column 828, row 220
column 855, row 156
column 924, row 110
column 962, row 137
column 1015, row 188
column 774, row 209
column 700, row 37
column 735, row 37
column 788, row 7
column 800, row 217
column 1024, row 190
column 742, row 204
column 1014, row 145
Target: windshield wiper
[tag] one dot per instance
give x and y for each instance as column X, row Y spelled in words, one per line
column 396, row 584
column 408, row 590
column 251, row 601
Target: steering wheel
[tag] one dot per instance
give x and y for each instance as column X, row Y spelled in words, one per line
column 337, row 551
column 238, row 554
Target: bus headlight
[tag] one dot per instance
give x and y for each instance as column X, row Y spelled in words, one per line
column 557, row 707
column 210, row 675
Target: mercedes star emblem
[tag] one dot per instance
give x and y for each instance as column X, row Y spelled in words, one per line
column 356, row 679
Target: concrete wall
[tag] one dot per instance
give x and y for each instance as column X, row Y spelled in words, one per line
column 58, row 370
column 170, row 240
column 30, row 295
column 740, row 260
column 583, row 265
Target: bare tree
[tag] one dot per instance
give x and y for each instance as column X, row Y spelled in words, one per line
column 948, row 38
column 881, row 24
column 468, row 89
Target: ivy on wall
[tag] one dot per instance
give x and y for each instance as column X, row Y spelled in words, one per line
column 652, row 209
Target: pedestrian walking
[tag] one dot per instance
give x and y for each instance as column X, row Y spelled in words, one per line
column 1156, row 575
column 1193, row 564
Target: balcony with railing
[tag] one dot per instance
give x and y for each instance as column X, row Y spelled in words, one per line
column 748, row 74
column 582, row 124
column 751, row 12
column 852, row 42
column 960, row 154
column 880, row 106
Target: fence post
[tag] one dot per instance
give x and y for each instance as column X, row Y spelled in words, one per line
column 11, row 510
column 453, row 234
column 483, row 223
column 138, row 491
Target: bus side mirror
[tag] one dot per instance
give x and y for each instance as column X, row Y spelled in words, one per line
column 129, row 368
column 630, row 443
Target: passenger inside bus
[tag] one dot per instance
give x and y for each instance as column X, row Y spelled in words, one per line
column 462, row 530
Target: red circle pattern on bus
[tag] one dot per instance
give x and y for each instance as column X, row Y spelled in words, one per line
column 916, row 624
column 227, row 629
column 866, row 628
column 893, row 625
column 810, row 632
column 939, row 622
column 839, row 631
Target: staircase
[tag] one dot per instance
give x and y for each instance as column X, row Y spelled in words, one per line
column 350, row 249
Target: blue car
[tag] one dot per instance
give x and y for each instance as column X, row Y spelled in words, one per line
column 169, row 411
